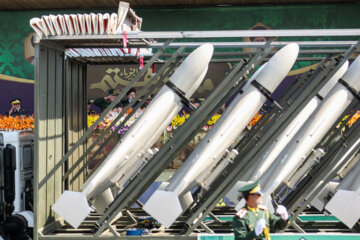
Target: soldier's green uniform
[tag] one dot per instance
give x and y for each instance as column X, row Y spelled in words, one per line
column 102, row 103
column 245, row 220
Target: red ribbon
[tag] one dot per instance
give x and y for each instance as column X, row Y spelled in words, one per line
column 125, row 39
column 141, row 62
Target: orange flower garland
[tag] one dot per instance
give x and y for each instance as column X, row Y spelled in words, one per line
column 354, row 118
column 254, row 120
column 21, row 123
column 16, row 123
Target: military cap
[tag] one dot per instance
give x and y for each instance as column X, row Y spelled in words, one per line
column 111, row 92
column 197, row 100
column 252, row 188
column 15, row 101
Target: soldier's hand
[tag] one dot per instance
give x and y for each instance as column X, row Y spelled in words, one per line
column 281, row 210
column 260, row 225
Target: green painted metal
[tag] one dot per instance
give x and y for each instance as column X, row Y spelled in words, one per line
column 305, row 218
column 49, row 132
column 290, row 237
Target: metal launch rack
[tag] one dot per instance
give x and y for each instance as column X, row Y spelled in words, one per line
column 62, row 152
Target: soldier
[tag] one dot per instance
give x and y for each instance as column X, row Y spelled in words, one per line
column 16, row 109
column 254, row 221
column 104, row 102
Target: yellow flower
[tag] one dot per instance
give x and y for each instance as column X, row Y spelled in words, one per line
column 92, row 119
column 213, row 119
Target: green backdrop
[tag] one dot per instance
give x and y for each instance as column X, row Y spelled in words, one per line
column 14, row 25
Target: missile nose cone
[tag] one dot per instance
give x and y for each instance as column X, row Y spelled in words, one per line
column 193, row 69
column 207, row 49
column 278, row 66
column 352, row 75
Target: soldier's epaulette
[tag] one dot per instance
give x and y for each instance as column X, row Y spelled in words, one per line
column 262, row 207
column 241, row 213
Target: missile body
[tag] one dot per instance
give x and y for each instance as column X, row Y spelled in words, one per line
column 313, row 130
column 175, row 196
column 279, row 144
column 73, row 206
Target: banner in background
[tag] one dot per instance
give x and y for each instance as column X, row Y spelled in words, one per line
column 17, row 55
column 102, row 78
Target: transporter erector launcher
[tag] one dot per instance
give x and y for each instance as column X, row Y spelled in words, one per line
column 313, row 130
column 175, row 196
column 73, row 206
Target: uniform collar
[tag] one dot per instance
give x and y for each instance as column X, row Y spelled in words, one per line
column 255, row 210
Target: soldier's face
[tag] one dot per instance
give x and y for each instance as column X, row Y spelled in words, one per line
column 17, row 106
column 256, row 199
column 112, row 97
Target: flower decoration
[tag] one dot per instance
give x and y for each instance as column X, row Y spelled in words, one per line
column 178, row 121
column 111, row 116
column 16, row 123
column 354, row 118
column 91, row 119
column 213, row 119
column 254, row 120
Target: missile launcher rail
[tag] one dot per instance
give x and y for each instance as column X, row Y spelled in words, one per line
column 61, row 149
column 252, row 149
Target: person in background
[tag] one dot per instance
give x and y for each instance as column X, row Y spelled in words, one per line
column 16, row 109
column 130, row 95
column 104, row 102
column 90, row 111
column 254, row 221
column 258, row 26
column 186, row 110
column 146, row 103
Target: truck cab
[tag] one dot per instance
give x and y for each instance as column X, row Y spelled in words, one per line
column 16, row 182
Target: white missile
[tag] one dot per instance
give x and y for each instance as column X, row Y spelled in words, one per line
column 284, row 138
column 175, row 197
column 73, row 206
column 345, row 203
column 256, row 171
column 313, row 130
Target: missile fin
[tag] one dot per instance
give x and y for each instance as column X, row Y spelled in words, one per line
column 73, row 207
column 233, row 194
column 345, row 206
column 185, row 200
column 240, row 205
column 164, row 206
column 267, row 202
column 103, row 200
